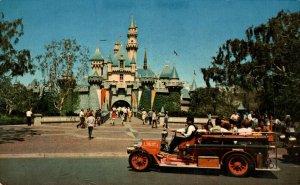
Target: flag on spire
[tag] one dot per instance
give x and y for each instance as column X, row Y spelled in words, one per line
column 175, row 53
column 195, row 72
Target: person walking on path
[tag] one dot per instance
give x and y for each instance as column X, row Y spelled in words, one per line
column 98, row 116
column 150, row 117
column 122, row 118
column 129, row 114
column 166, row 120
column 29, row 117
column 154, row 119
column 113, row 116
column 125, row 113
column 87, row 113
column 90, row 124
column 144, row 116
column 81, row 117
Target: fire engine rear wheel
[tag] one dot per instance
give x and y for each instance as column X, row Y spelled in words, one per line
column 238, row 165
column 139, row 161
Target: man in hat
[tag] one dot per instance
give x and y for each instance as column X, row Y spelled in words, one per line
column 185, row 133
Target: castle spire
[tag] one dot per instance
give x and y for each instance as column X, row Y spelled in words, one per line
column 194, row 85
column 132, row 23
column 132, row 45
column 145, row 60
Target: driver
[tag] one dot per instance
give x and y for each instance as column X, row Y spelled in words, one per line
column 185, row 133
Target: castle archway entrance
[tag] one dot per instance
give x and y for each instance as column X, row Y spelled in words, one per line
column 121, row 103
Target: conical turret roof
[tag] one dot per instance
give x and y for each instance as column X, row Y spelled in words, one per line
column 97, row 56
column 109, row 60
column 121, row 55
column 165, row 72
column 146, row 73
column 174, row 74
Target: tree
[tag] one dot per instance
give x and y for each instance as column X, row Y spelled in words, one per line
column 45, row 105
column 266, row 61
column 170, row 101
column 145, row 100
column 71, row 103
column 15, row 97
column 159, row 102
column 63, row 63
column 210, row 100
column 13, row 62
column 173, row 102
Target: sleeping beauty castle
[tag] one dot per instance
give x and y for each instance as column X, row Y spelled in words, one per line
column 119, row 80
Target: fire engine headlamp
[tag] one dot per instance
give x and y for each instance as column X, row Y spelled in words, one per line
column 282, row 136
column 292, row 139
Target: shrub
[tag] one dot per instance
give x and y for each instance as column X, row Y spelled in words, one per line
column 12, row 120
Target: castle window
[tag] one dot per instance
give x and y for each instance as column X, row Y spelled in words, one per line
column 121, row 63
column 121, row 77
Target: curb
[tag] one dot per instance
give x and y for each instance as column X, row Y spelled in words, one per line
column 65, row 155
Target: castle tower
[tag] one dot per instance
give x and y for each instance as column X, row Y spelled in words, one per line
column 132, row 45
column 97, row 62
column 174, row 84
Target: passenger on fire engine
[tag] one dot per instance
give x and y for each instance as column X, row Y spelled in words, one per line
column 185, row 133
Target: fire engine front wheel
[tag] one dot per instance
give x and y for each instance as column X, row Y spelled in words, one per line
column 238, row 165
column 139, row 161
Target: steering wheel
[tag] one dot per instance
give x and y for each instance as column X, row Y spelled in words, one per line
column 175, row 132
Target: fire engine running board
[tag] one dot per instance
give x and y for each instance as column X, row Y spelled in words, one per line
column 187, row 166
column 268, row 169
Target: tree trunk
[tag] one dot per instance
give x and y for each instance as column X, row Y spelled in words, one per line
column 59, row 105
column 10, row 110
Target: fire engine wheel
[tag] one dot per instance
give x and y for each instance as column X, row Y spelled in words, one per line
column 139, row 161
column 238, row 165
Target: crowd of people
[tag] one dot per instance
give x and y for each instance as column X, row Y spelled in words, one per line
column 241, row 123
column 152, row 117
column 90, row 119
column 125, row 113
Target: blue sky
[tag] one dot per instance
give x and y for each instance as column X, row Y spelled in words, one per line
column 194, row 28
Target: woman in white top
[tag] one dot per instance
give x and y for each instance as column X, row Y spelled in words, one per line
column 28, row 116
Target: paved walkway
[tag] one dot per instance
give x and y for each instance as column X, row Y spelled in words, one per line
column 65, row 140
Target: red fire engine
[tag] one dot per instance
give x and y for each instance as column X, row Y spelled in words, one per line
column 237, row 154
